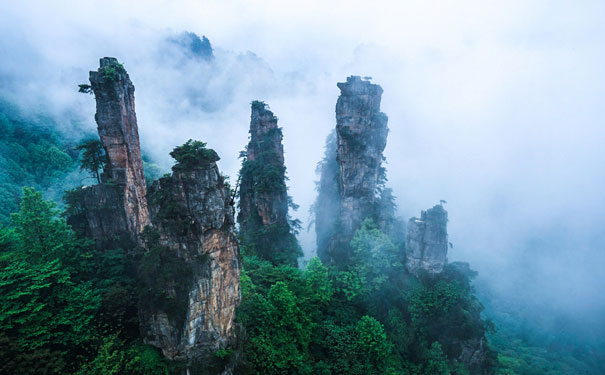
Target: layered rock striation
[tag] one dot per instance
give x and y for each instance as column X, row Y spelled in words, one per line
column 192, row 216
column 182, row 233
column 426, row 241
column 116, row 209
column 361, row 134
column 263, row 218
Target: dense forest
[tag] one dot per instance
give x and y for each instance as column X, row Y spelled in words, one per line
column 71, row 306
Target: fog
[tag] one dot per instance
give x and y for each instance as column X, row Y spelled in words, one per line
column 494, row 107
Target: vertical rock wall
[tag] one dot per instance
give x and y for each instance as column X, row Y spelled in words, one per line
column 426, row 241
column 270, row 203
column 116, row 210
column 361, row 134
column 117, row 125
column 265, row 228
column 192, row 214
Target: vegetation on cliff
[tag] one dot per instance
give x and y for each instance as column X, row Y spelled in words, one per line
column 266, row 229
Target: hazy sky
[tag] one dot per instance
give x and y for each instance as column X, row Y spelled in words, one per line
column 496, row 107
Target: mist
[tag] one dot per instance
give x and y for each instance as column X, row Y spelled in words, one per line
column 495, row 108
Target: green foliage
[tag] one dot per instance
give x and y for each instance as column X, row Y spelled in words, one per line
column 375, row 256
column 93, row 158
column 193, row 155
column 262, row 174
column 31, row 154
column 164, row 278
column 115, row 357
column 85, row 89
column 171, row 213
column 224, row 354
column 369, row 317
column 152, row 171
column 111, row 70
column 46, row 308
column 275, row 242
column 436, row 361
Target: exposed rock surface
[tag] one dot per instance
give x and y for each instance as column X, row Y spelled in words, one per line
column 263, row 196
column 191, row 223
column 117, row 208
column 361, row 134
column 475, row 354
column 270, row 203
column 426, row 241
column 192, row 214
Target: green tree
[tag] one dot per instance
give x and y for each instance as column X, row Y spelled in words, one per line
column 93, row 157
column 436, row 361
column 193, row 154
column 43, row 307
column 374, row 348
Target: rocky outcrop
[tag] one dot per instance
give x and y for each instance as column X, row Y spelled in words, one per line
column 191, row 212
column 269, row 201
column 117, row 208
column 189, row 267
column 475, row 354
column 361, row 133
column 426, row 241
column 263, row 195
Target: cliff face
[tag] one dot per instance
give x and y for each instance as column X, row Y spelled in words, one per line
column 270, row 200
column 189, row 267
column 426, row 241
column 263, row 196
column 116, row 208
column 191, row 213
column 361, row 133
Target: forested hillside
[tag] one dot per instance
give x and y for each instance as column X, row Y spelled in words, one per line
column 34, row 153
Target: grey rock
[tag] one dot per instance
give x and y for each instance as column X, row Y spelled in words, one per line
column 426, row 241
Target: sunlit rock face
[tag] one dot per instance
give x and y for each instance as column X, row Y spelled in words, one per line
column 361, row 135
column 192, row 213
column 117, row 208
column 426, row 241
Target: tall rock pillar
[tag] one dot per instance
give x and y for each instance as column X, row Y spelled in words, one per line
column 263, row 196
column 192, row 265
column 117, row 125
column 361, row 135
column 115, row 211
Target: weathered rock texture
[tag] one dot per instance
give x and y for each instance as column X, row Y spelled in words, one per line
column 117, row 208
column 263, row 195
column 192, row 214
column 187, row 233
column 426, row 241
column 270, row 203
column 361, row 134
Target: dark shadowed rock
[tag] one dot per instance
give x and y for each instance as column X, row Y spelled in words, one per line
column 269, row 202
column 263, row 218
